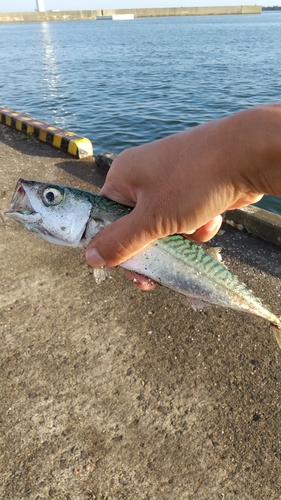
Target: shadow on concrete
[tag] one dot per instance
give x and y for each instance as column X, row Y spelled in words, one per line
column 85, row 170
column 247, row 249
column 27, row 144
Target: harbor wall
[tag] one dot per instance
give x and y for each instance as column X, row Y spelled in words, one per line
column 73, row 15
column 188, row 11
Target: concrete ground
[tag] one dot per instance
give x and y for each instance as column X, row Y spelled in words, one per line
column 111, row 393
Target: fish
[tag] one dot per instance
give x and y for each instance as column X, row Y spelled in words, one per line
column 71, row 217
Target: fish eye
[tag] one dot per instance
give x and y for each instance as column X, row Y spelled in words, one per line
column 52, row 196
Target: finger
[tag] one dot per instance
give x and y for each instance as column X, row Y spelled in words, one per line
column 119, row 241
column 207, row 231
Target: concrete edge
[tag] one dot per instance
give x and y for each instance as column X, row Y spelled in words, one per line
column 258, row 222
column 68, row 142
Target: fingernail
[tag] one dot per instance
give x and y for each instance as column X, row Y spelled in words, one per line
column 93, row 258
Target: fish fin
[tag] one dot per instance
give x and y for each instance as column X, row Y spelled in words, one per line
column 197, row 303
column 277, row 334
column 101, row 274
column 214, row 252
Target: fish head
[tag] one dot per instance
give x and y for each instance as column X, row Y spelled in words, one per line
column 53, row 212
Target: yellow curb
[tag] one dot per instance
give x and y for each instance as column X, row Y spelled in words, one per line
column 68, row 142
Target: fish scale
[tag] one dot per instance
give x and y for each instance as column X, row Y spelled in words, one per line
column 238, row 293
column 181, row 247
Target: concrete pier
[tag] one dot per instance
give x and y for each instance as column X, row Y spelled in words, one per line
column 112, row 393
column 74, row 15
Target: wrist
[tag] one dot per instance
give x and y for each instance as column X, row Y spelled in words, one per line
column 260, row 134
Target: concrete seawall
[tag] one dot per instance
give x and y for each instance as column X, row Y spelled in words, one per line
column 84, row 15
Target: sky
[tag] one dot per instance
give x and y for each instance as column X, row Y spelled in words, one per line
column 30, row 5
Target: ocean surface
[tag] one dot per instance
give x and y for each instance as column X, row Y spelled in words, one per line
column 125, row 83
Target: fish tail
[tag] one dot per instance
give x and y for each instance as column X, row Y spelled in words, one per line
column 277, row 332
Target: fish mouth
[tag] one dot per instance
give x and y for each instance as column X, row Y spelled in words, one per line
column 20, row 206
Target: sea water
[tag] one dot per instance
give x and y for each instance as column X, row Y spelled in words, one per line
column 122, row 84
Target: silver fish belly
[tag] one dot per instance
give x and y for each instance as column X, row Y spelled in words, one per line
column 71, row 217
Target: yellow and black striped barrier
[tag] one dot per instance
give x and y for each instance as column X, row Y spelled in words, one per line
column 68, row 142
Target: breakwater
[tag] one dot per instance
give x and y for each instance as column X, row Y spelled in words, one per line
column 74, row 15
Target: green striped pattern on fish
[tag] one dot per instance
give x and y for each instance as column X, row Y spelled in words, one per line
column 238, row 295
column 191, row 254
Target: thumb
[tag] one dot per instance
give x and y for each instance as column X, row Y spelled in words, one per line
column 119, row 241
column 207, row 231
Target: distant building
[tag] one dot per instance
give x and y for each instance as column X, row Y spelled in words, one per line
column 40, row 5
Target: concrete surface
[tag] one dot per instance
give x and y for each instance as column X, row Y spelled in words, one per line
column 74, row 15
column 111, row 393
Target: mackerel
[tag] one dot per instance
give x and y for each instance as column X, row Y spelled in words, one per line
column 71, row 217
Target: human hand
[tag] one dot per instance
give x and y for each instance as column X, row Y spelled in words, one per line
column 182, row 183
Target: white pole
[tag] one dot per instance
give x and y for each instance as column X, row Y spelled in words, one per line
column 40, row 5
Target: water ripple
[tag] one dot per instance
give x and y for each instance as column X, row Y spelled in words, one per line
column 124, row 84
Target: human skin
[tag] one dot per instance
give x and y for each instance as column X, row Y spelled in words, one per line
column 182, row 183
